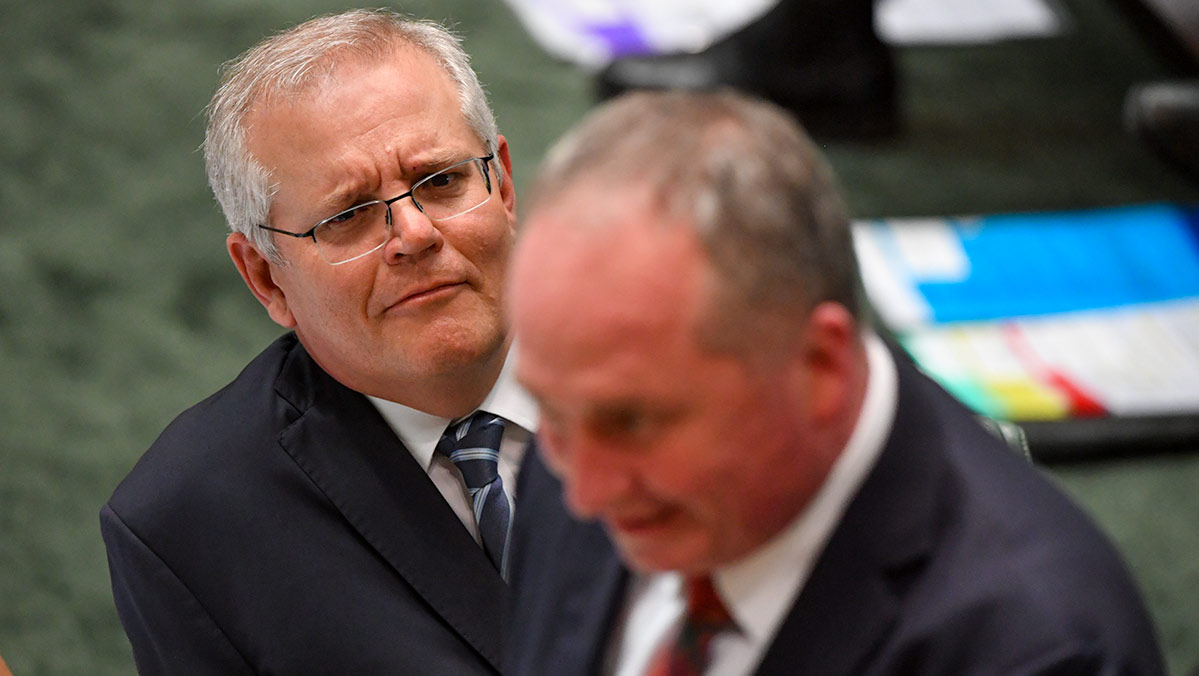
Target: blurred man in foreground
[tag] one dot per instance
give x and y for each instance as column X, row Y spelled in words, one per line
column 343, row 506
column 776, row 491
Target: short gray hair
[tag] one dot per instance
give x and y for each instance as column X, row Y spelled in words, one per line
column 297, row 59
column 743, row 174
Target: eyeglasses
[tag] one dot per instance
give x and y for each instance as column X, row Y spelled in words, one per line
column 449, row 193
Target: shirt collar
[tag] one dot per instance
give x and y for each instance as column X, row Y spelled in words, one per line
column 759, row 588
column 420, row 431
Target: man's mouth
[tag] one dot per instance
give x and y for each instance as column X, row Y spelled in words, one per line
column 637, row 524
column 428, row 294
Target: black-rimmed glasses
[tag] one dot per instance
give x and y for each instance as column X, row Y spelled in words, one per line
column 362, row 229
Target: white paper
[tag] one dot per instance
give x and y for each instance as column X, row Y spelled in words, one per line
column 963, row 21
column 591, row 33
column 888, row 284
column 580, row 30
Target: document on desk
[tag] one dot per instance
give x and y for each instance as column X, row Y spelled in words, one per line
column 591, row 33
column 961, row 22
column 1046, row 316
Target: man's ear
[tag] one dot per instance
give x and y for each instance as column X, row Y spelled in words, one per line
column 507, row 189
column 830, row 347
column 259, row 275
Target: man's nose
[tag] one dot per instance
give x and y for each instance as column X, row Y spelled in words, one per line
column 594, row 477
column 412, row 232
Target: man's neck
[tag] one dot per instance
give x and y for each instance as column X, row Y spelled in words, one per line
column 459, row 393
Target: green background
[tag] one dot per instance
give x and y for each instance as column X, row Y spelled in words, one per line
column 119, row 307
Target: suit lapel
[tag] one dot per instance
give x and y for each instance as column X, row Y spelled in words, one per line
column 593, row 592
column 567, row 577
column 346, row 449
column 887, row 533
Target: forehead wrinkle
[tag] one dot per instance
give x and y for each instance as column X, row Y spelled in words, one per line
column 354, row 190
column 432, row 159
column 354, row 182
column 387, row 150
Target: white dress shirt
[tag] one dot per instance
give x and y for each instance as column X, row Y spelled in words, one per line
column 421, row 431
column 761, row 587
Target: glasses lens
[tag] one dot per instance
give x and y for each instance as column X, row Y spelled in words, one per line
column 453, row 191
column 353, row 232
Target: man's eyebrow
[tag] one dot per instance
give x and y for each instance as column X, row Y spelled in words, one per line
column 344, row 196
column 349, row 194
column 439, row 159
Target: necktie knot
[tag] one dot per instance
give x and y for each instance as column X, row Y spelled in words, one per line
column 704, row 607
column 473, row 445
column 690, row 652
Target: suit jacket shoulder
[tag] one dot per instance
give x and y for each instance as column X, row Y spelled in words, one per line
column 957, row 556
column 280, row 526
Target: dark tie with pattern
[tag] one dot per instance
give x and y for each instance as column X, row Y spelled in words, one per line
column 473, row 444
column 690, row 652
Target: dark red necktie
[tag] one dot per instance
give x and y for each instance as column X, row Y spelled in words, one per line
column 689, row 653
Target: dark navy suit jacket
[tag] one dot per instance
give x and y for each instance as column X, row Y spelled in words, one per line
column 955, row 557
column 280, row 527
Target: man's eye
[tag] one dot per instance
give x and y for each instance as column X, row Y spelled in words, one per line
column 442, row 182
column 346, row 216
column 624, row 423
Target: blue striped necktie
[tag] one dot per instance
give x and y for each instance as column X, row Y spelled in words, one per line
column 473, row 444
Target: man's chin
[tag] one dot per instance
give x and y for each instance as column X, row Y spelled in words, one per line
column 447, row 347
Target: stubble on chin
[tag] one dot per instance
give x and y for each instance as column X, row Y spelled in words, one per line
column 447, row 346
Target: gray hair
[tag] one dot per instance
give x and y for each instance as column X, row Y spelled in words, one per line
column 296, row 60
column 742, row 174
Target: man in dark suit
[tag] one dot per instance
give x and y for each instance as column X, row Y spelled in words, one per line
column 742, row 477
column 311, row 517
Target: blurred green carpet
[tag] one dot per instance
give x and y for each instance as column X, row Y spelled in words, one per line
column 119, row 306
